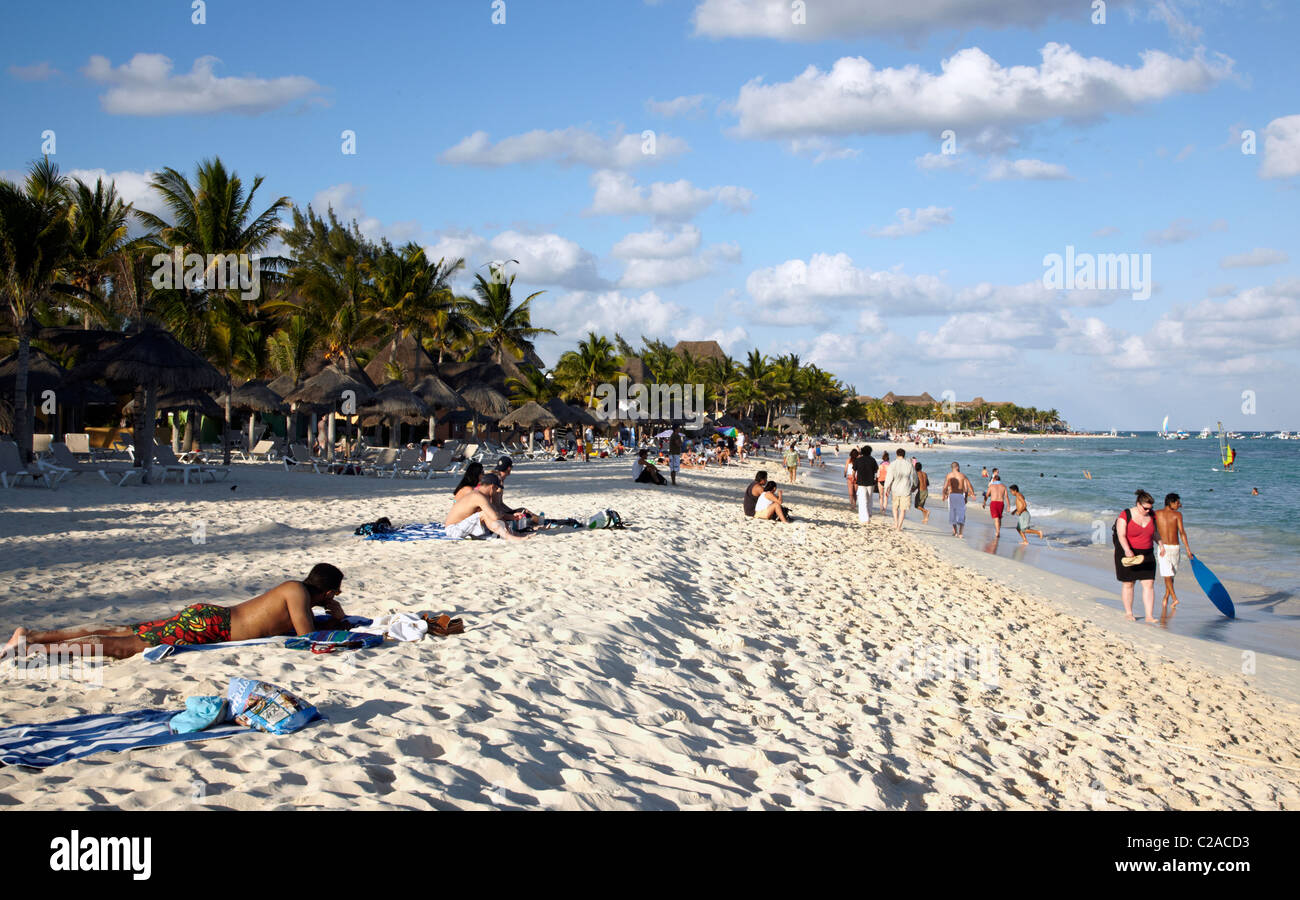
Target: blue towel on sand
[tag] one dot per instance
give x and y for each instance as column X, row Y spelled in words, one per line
column 326, row 641
column 56, row 742
column 201, row 713
column 428, row 531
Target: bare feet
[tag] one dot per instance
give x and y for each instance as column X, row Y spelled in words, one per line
column 11, row 648
column 1130, row 617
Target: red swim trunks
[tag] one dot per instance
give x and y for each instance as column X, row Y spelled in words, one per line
column 201, row 623
column 995, row 509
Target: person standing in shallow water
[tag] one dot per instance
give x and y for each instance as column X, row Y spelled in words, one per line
column 1169, row 525
column 957, row 489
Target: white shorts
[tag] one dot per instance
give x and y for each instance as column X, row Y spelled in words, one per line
column 1167, row 565
column 467, row 527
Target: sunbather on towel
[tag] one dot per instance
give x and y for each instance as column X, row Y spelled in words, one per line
column 475, row 513
column 286, row 608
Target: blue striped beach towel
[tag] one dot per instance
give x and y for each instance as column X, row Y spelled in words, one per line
column 427, row 531
column 55, row 742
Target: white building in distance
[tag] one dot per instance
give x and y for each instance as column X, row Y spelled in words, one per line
column 936, row 425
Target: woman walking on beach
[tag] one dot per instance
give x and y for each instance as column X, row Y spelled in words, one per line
column 851, row 477
column 1133, row 536
column 881, row 474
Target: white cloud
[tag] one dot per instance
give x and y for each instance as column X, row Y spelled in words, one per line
column 692, row 105
column 1105, row 231
column 972, row 91
column 658, row 244
column 917, row 221
column 844, row 19
column 618, row 194
column 1281, row 148
column 821, row 150
column 145, row 86
column 574, row 314
column 698, row 329
column 661, row 271
column 1026, row 170
column 1086, row 336
column 1260, row 256
column 132, row 187
column 41, row 71
column 818, row 291
column 542, row 259
column 1231, row 336
column 932, row 161
column 797, row 292
column 567, row 146
column 1176, row 232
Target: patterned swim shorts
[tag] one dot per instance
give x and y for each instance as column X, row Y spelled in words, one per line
column 201, row 623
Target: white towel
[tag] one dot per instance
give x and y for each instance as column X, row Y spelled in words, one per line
column 400, row 626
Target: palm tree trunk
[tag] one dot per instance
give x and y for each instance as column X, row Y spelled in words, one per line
column 225, row 426
column 22, row 424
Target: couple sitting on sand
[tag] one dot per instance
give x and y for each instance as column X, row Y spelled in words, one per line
column 285, row 609
column 763, row 499
column 478, row 507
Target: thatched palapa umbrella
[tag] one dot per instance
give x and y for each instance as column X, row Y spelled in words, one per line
column 486, row 401
column 330, row 387
column 530, row 415
column 436, row 393
column 255, row 396
column 392, row 402
column 154, row 362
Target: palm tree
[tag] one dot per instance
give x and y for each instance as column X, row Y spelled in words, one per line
column 213, row 216
column 533, row 384
column 724, row 377
column 503, row 325
column 99, row 233
column 594, row 363
column 35, row 234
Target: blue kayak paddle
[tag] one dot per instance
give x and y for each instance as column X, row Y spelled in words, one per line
column 1213, row 588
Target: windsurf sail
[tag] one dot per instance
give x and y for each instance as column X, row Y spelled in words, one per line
column 1226, row 453
column 1164, row 426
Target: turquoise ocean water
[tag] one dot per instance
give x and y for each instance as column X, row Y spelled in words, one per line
column 1251, row 542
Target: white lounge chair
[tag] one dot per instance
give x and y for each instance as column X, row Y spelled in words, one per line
column 300, row 457
column 13, row 471
column 164, row 456
column 384, row 465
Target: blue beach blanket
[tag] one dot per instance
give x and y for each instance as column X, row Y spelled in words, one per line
column 427, row 531
column 55, row 742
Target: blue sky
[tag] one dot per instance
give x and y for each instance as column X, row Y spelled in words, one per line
column 797, row 199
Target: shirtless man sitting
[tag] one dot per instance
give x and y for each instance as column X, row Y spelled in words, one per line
column 475, row 513
column 284, row 609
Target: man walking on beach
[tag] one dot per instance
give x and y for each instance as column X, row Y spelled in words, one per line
column 865, row 469
column 901, row 481
column 957, row 489
column 1169, row 525
column 922, row 492
column 984, row 473
column 997, row 503
column 674, row 453
column 284, row 609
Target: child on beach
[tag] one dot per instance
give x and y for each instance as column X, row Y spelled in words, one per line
column 1021, row 512
column 1169, row 525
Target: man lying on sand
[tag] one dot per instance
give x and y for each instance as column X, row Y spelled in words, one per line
column 475, row 513
column 284, row 609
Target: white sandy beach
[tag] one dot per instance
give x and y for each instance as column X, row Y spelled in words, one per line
column 697, row 660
